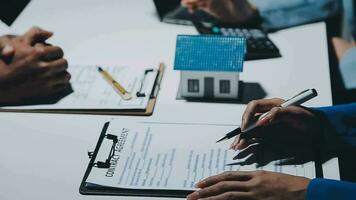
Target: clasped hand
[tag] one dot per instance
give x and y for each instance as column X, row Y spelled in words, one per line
column 31, row 70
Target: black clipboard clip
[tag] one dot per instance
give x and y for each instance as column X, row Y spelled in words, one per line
column 106, row 164
column 141, row 93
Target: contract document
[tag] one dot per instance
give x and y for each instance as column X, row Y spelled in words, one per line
column 164, row 156
column 92, row 91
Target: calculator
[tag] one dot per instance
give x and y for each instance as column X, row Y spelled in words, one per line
column 259, row 46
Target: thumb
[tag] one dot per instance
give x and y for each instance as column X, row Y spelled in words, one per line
column 36, row 35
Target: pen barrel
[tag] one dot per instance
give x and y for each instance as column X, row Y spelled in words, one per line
column 119, row 87
column 301, row 98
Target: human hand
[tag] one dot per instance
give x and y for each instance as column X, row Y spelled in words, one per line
column 342, row 46
column 227, row 11
column 33, row 36
column 31, row 70
column 260, row 185
column 293, row 125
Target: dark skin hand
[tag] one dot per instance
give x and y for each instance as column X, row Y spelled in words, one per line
column 31, row 71
column 294, row 125
column 228, row 11
column 256, row 185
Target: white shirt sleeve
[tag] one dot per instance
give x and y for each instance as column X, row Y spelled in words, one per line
column 4, row 29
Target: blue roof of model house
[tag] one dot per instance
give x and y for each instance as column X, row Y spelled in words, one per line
column 210, row 53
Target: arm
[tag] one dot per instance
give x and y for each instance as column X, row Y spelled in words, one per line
column 329, row 189
column 279, row 14
column 340, row 120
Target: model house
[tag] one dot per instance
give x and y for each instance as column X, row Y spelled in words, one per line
column 209, row 65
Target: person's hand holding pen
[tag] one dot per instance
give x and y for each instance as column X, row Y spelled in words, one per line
column 294, row 124
column 227, row 11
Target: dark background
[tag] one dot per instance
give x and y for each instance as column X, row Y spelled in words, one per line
column 10, row 9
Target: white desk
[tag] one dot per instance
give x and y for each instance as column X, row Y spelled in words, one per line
column 129, row 33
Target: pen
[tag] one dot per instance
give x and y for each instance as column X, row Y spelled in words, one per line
column 294, row 101
column 117, row 87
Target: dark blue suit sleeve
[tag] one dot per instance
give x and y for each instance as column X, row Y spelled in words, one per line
column 339, row 121
column 342, row 120
column 330, row 190
column 278, row 14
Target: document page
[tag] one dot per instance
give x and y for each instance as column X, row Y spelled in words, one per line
column 92, row 91
column 171, row 157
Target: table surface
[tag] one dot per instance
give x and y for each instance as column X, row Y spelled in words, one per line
column 43, row 156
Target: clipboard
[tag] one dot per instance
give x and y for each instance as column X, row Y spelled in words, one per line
column 91, row 189
column 132, row 112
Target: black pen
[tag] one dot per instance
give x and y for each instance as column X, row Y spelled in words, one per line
column 231, row 134
column 294, row 101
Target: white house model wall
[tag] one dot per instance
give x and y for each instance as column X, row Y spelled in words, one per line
column 209, row 84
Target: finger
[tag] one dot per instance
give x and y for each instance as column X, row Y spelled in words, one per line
column 244, row 143
column 61, row 79
column 8, row 51
column 256, row 133
column 235, row 142
column 230, row 196
column 7, row 54
column 36, row 35
column 258, row 106
column 53, row 68
column 49, row 53
column 226, row 176
column 60, row 88
column 192, row 4
column 57, row 93
column 220, row 188
column 247, row 151
column 278, row 114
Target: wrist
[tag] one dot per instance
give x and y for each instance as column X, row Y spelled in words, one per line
column 328, row 142
column 299, row 187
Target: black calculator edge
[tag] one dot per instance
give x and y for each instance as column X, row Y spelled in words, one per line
column 249, row 56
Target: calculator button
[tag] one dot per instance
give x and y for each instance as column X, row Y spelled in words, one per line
column 216, row 30
column 224, row 31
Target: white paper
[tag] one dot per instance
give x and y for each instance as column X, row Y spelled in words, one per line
column 92, row 91
column 163, row 156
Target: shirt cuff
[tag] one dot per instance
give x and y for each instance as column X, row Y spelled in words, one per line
column 348, row 68
column 330, row 189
